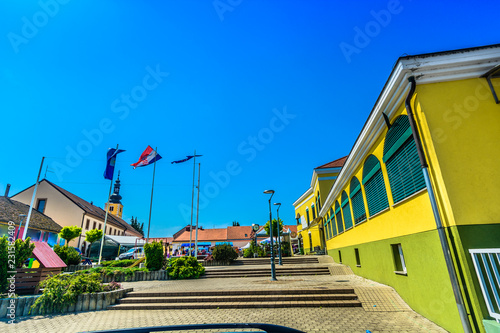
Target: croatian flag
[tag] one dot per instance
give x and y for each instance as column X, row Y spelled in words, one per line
column 149, row 156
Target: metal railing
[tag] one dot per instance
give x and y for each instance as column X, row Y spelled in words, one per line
column 487, row 265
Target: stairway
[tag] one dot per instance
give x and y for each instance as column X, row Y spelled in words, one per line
column 285, row 298
column 267, row 261
column 265, row 271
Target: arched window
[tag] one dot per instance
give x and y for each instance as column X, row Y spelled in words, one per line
column 358, row 206
column 373, row 180
column 319, row 202
column 338, row 216
column 346, row 210
column 327, row 222
column 401, row 160
column 332, row 223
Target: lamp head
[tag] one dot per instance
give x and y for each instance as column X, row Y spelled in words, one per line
column 268, row 191
column 277, row 203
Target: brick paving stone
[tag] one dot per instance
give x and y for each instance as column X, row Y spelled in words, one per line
column 382, row 309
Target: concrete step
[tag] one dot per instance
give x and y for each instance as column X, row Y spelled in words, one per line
column 267, row 269
column 241, row 298
column 198, row 293
column 233, row 305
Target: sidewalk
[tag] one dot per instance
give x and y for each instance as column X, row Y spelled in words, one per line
column 383, row 310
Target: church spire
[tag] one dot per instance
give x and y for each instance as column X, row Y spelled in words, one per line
column 116, row 197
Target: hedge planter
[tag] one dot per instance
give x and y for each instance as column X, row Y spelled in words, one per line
column 216, row 263
column 12, row 308
column 137, row 276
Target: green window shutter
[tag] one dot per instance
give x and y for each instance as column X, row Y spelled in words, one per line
column 338, row 216
column 404, row 171
column 376, row 195
column 346, row 210
column 358, row 206
column 401, row 159
column 370, row 168
column 334, row 226
column 396, row 136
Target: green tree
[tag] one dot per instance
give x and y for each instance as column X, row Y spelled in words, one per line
column 24, row 250
column 154, row 255
column 224, row 252
column 137, row 226
column 93, row 235
column 275, row 228
column 70, row 233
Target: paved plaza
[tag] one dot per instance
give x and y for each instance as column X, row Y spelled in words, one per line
column 382, row 311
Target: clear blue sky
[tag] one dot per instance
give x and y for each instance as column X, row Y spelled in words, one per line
column 210, row 76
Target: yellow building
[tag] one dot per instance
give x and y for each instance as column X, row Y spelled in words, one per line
column 427, row 156
column 309, row 225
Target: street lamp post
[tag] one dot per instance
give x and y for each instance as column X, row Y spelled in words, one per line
column 255, row 228
column 279, row 233
column 273, row 272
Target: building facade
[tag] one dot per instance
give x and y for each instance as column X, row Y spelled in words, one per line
column 310, row 228
column 379, row 209
column 67, row 209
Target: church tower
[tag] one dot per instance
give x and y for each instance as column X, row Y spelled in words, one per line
column 115, row 205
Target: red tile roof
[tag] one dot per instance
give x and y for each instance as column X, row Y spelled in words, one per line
column 239, row 232
column 46, row 256
column 334, row 164
column 204, row 235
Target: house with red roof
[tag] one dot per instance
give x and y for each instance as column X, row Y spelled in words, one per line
column 68, row 209
column 310, row 228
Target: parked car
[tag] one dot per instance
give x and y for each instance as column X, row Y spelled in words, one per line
column 133, row 253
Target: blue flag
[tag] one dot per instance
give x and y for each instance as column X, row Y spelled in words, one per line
column 186, row 159
column 110, row 164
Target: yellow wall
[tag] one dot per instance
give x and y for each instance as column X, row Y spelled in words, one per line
column 464, row 132
column 412, row 215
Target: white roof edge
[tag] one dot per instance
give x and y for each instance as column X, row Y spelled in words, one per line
column 441, row 67
column 303, row 196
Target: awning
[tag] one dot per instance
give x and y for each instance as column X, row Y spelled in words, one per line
column 199, row 244
column 222, row 243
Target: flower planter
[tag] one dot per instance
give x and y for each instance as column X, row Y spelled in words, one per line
column 85, row 302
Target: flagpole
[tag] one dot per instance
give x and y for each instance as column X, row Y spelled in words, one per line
column 106, row 216
column 32, row 201
column 152, row 188
column 192, row 203
column 197, row 214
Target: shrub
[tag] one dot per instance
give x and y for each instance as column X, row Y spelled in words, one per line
column 24, row 250
column 63, row 289
column 69, row 255
column 3, row 264
column 185, row 268
column 111, row 286
column 154, row 255
column 117, row 273
column 248, row 252
column 119, row 263
column 224, row 252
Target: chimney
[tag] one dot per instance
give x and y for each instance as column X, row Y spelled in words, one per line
column 7, row 189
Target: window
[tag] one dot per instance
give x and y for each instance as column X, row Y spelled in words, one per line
column 100, row 226
column 338, row 216
column 40, row 206
column 115, row 232
column 314, row 211
column 111, row 208
column 319, row 203
column 358, row 205
column 328, row 229
column 95, row 225
column 307, row 214
column 332, row 221
column 356, row 254
column 87, row 225
column 373, row 180
column 399, row 260
column 346, row 210
column 310, row 242
column 340, row 257
column 401, row 159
